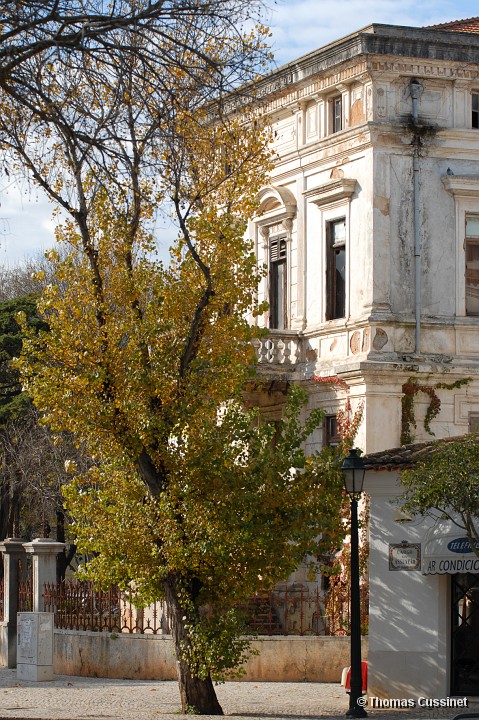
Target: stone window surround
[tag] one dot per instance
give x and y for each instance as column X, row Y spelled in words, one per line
column 474, row 111
column 465, row 191
column 333, row 199
column 283, row 213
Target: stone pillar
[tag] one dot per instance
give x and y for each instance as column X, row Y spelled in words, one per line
column 13, row 551
column 44, row 566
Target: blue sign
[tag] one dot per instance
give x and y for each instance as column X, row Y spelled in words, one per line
column 461, row 546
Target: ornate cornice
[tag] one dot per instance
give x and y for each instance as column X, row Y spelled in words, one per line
column 461, row 185
column 338, row 189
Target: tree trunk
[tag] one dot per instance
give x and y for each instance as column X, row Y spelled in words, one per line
column 197, row 695
column 66, row 556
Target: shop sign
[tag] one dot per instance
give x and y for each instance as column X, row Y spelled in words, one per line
column 443, row 566
column 462, row 545
column 405, row 556
column 451, row 554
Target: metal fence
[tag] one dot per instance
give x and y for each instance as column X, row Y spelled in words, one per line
column 25, row 585
column 25, row 596
column 292, row 610
column 296, row 610
column 81, row 606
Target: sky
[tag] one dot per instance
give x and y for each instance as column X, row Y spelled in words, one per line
column 298, row 27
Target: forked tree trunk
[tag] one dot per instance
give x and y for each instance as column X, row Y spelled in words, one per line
column 197, row 695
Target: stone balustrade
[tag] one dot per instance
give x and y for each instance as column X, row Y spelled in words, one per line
column 278, row 349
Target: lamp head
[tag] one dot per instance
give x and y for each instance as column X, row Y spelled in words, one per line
column 353, row 470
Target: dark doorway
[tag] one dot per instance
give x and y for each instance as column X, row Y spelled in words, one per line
column 465, row 634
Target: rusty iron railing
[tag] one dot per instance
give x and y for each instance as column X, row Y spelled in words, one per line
column 289, row 610
column 298, row 610
column 25, row 596
column 25, row 585
column 81, row 606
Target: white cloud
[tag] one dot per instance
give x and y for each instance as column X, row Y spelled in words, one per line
column 25, row 226
column 301, row 26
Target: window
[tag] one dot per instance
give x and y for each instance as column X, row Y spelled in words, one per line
column 475, row 110
column 472, row 265
column 473, row 422
column 277, row 283
column 336, row 269
column 330, row 431
column 337, row 111
column 465, row 191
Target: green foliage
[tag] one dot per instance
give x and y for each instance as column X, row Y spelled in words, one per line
column 235, row 502
column 217, row 645
column 192, row 498
column 143, row 363
column 239, row 514
column 410, row 389
column 446, row 484
column 13, row 403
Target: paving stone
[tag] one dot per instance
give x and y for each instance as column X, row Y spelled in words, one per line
column 80, row 698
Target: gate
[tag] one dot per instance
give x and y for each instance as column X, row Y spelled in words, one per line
column 465, row 634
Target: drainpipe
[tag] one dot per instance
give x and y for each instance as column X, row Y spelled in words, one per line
column 416, row 90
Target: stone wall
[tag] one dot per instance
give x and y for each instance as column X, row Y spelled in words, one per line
column 150, row 657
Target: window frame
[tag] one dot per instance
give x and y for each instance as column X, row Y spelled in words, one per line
column 332, row 201
column 475, row 109
column 465, row 192
column 335, row 309
column 473, row 422
column 330, row 439
column 337, row 118
column 278, row 274
column 470, row 241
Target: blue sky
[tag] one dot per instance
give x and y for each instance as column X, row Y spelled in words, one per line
column 298, row 27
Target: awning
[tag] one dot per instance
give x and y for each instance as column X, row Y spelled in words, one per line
column 448, row 551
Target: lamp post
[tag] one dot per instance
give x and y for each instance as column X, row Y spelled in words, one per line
column 353, row 470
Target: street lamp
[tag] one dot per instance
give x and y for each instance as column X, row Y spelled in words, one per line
column 353, row 470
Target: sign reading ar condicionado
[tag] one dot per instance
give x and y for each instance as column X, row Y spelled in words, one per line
column 450, row 555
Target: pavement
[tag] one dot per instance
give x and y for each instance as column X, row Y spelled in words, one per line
column 80, row 698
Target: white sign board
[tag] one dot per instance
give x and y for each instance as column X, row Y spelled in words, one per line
column 405, row 556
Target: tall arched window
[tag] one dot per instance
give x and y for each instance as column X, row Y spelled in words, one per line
column 275, row 222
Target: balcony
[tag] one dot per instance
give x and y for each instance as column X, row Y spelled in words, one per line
column 281, row 348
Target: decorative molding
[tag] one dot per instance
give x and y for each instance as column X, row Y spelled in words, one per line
column 461, row 185
column 463, row 405
column 317, row 88
column 284, row 212
column 338, row 189
column 421, row 69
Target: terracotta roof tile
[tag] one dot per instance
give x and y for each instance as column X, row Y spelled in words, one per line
column 402, row 457
column 469, row 25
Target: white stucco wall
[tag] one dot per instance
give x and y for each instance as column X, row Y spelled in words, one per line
column 409, row 611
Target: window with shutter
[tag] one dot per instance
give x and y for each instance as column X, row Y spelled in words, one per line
column 277, row 283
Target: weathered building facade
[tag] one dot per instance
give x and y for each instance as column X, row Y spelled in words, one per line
column 370, row 235
column 370, row 228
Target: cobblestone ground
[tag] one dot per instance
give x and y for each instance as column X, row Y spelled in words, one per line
column 78, row 698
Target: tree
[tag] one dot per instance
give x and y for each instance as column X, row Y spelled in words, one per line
column 97, row 84
column 34, row 469
column 12, row 401
column 42, row 28
column 19, row 282
column 32, row 459
column 14, row 404
column 146, row 364
column 446, row 484
column 193, row 498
